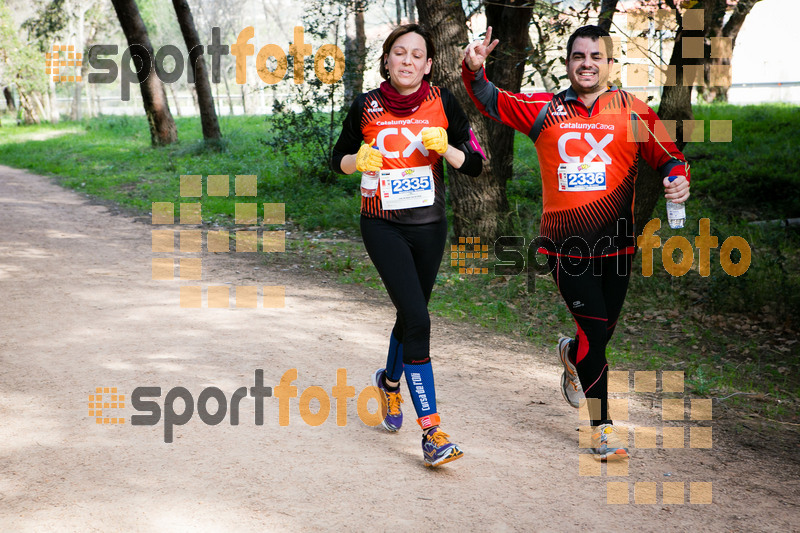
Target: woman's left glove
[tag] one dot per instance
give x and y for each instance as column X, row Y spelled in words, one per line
column 435, row 139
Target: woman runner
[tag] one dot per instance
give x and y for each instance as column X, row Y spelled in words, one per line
column 408, row 128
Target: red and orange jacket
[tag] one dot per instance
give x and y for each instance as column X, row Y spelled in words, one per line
column 617, row 130
column 400, row 141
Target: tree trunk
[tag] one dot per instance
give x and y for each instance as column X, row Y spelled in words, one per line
column 175, row 99
column 676, row 105
column 39, row 106
column 154, row 97
column 208, row 117
column 54, row 116
column 716, row 14
column 228, row 93
column 411, row 6
column 193, row 90
column 98, row 110
column 480, row 206
column 9, row 98
column 538, row 56
column 77, row 94
column 355, row 51
column 46, row 110
column 29, row 113
column 79, row 84
column 505, row 67
column 90, row 109
column 718, row 92
column 607, row 10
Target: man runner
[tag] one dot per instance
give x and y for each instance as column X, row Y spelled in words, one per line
column 588, row 139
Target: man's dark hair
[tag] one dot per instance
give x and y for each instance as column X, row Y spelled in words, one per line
column 594, row 33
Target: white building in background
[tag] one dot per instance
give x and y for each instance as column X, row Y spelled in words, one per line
column 760, row 66
column 762, row 55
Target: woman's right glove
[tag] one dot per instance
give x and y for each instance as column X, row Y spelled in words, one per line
column 369, row 159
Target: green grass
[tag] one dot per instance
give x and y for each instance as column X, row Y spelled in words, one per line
column 730, row 335
column 111, row 158
column 752, row 177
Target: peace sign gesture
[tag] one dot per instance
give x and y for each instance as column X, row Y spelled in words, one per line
column 477, row 51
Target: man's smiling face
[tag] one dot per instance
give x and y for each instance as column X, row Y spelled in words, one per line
column 588, row 66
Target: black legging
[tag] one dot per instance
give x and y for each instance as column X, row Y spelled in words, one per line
column 407, row 257
column 594, row 291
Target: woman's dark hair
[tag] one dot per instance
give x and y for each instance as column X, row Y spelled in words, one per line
column 594, row 33
column 396, row 34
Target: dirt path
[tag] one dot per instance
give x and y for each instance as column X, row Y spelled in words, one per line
column 80, row 310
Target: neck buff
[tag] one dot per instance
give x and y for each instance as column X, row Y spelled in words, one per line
column 403, row 105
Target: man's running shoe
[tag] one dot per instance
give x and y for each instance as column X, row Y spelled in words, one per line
column 437, row 449
column 394, row 416
column 606, row 444
column 570, row 383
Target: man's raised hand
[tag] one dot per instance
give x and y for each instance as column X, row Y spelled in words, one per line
column 477, row 51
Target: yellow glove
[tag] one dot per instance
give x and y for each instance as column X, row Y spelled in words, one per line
column 435, row 139
column 369, row 159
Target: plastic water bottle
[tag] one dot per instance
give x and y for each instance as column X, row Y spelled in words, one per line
column 676, row 213
column 369, row 184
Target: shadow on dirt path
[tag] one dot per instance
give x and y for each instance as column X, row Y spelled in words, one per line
column 80, row 310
